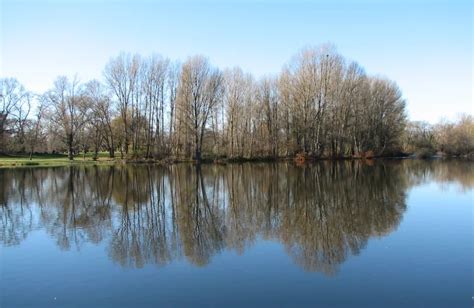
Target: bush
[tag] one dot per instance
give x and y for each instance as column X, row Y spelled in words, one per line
column 424, row 153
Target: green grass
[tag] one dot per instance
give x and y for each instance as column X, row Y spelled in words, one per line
column 7, row 161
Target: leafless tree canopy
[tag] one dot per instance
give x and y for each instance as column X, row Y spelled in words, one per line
column 320, row 105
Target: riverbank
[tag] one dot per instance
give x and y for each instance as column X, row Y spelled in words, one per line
column 55, row 160
column 51, row 160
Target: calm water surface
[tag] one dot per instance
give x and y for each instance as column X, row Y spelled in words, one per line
column 389, row 233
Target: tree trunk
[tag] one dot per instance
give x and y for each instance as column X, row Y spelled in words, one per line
column 69, row 143
column 197, row 149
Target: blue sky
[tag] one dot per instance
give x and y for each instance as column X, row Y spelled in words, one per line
column 425, row 46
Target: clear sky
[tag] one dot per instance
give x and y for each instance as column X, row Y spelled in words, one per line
column 425, row 46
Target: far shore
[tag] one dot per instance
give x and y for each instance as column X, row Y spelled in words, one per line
column 55, row 160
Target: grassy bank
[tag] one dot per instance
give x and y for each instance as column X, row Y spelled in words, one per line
column 8, row 161
column 53, row 160
column 23, row 160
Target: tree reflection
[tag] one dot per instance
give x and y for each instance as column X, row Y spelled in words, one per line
column 145, row 231
column 321, row 213
column 16, row 215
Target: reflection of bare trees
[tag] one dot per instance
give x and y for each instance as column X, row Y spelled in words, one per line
column 16, row 216
column 79, row 205
column 336, row 209
column 198, row 214
column 321, row 213
column 145, row 231
column 459, row 171
column 71, row 203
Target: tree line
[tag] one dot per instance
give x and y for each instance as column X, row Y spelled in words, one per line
column 319, row 105
column 447, row 138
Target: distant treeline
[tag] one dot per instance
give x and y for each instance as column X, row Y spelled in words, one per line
column 320, row 105
column 452, row 139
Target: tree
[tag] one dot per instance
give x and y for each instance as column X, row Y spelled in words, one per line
column 456, row 138
column 102, row 113
column 36, row 125
column 267, row 98
column 14, row 110
column 387, row 118
column 319, row 106
column 315, row 76
column 235, row 84
column 155, row 72
column 121, row 74
column 199, row 92
column 68, row 111
column 174, row 72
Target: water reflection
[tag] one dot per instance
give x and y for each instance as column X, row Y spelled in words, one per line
column 321, row 213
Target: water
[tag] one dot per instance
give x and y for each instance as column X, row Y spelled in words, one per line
column 388, row 233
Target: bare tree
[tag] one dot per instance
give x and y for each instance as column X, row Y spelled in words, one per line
column 234, row 100
column 318, row 106
column 102, row 113
column 37, row 124
column 153, row 84
column 199, row 92
column 267, row 97
column 174, row 72
column 121, row 74
column 14, row 109
column 456, row 138
column 68, row 111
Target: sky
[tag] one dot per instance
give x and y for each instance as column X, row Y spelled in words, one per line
column 425, row 46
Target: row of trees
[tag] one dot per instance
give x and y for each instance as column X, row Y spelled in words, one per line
column 451, row 138
column 320, row 105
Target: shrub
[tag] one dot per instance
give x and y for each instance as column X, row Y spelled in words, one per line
column 424, row 153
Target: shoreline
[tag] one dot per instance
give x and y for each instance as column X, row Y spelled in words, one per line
column 16, row 161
